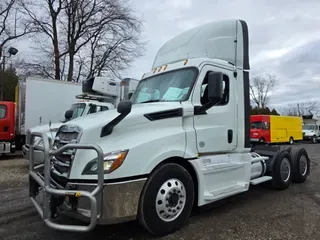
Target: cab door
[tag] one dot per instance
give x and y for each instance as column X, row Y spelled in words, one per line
column 7, row 121
column 216, row 129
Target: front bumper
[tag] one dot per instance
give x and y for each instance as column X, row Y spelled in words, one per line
column 38, row 155
column 119, row 201
column 307, row 137
column 93, row 203
column 5, row 147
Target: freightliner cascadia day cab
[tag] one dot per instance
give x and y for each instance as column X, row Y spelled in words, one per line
column 275, row 129
column 183, row 140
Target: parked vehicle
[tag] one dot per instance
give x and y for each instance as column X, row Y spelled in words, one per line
column 311, row 132
column 182, row 141
column 37, row 101
column 7, row 127
column 275, row 129
column 98, row 94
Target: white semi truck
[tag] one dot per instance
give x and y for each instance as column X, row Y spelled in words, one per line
column 98, row 94
column 311, row 132
column 182, row 141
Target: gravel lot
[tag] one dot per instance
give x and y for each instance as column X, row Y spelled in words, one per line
column 261, row 213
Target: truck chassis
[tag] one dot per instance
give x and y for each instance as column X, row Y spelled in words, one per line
column 279, row 166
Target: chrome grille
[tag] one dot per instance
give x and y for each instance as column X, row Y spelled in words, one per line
column 61, row 164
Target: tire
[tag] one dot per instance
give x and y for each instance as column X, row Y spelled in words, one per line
column 164, row 186
column 283, row 161
column 314, row 139
column 291, row 141
column 301, row 165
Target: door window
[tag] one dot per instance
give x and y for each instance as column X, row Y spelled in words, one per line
column 3, row 111
column 95, row 108
column 265, row 126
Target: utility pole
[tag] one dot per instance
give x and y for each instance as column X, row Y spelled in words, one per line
column 2, row 69
column 11, row 51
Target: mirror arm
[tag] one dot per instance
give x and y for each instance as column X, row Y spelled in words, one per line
column 203, row 108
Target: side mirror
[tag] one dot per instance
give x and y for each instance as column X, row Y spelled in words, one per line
column 68, row 114
column 215, row 87
column 124, row 107
column 130, row 95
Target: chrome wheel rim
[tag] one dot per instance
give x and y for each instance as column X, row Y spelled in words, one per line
column 285, row 169
column 171, row 199
column 303, row 165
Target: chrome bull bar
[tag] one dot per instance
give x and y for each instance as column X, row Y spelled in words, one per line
column 48, row 191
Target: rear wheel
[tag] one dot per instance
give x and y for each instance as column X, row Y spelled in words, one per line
column 167, row 199
column 262, row 140
column 282, row 170
column 291, row 141
column 301, row 164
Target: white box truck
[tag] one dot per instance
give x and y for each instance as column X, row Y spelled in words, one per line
column 182, row 141
column 39, row 101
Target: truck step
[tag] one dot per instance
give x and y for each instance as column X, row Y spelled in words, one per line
column 260, row 180
column 225, row 191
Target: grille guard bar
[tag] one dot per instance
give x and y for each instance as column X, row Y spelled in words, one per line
column 44, row 211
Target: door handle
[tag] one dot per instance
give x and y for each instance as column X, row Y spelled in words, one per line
column 230, row 135
column 6, row 128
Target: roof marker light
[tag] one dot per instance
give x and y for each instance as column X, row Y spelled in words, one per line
column 185, row 62
column 165, row 67
column 160, row 69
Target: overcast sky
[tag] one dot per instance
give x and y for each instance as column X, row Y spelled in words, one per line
column 284, row 37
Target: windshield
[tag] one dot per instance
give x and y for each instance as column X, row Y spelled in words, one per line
column 174, row 86
column 256, row 125
column 308, row 127
column 77, row 109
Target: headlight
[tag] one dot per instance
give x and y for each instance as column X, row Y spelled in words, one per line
column 112, row 161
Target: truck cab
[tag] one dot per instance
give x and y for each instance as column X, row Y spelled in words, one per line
column 183, row 140
column 311, row 132
column 260, row 128
column 7, row 127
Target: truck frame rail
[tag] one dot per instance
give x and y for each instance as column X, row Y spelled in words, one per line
column 36, row 182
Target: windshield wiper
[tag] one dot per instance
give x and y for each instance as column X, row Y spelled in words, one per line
column 149, row 101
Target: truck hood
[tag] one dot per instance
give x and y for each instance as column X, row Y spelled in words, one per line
column 50, row 131
column 254, row 132
column 308, row 131
column 134, row 117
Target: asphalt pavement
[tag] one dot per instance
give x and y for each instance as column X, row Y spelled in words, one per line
column 261, row 213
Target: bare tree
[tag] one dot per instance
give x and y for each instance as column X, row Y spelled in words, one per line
column 44, row 15
column 301, row 109
column 260, row 89
column 108, row 25
column 12, row 24
column 87, row 36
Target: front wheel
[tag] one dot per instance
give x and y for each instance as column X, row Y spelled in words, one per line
column 314, row 139
column 291, row 141
column 167, row 199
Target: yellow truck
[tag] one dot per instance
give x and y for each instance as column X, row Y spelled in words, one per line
column 275, row 129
